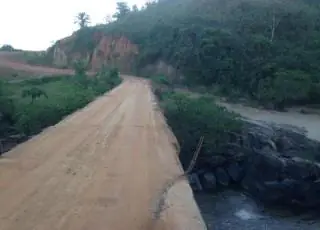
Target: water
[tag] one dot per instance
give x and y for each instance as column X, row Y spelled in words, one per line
column 230, row 210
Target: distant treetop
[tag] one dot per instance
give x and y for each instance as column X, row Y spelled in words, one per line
column 7, row 48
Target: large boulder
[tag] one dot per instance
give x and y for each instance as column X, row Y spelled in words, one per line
column 287, row 140
column 209, row 181
column 216, row 160
column 222, row 176
column 235, row 171
column 275, row 163
column 278, row 180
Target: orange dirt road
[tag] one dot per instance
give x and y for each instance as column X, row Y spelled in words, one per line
column 102, row 167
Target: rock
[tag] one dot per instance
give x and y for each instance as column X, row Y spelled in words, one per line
column 285, row 139
column 280, row 191
column 253, row 141
column 298, row 170
column 262, row 167
column 265, row 166
column 317, row 157
column 209, row 181
column 280, row 185
column 312, row 195
column 195, row 182
column 235, row 172
column 306, row 195
column 284, row 144
column 277, row 180
column 222, row 176
column 216, row 161
column 276, row 165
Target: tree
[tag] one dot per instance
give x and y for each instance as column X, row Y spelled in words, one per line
column 80, row 68
column 34, row 93
column 7, row 48
column 122, row 10
column 135, row 8
column 82, row 19
column 150, row 3
column 108, row 19
column 6, row 111
column 290, row 86
column 252, row 47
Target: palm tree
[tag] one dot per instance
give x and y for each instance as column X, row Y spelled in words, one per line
column 83, row 19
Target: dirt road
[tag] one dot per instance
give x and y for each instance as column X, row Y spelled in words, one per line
column 9, row 63
column 100, row 168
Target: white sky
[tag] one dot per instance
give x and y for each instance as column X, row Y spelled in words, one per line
column 35, row 24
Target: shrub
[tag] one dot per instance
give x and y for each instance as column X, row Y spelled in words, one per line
column 190, row 118
column 51, row 99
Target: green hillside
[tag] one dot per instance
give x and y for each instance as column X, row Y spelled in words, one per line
column 266, row 50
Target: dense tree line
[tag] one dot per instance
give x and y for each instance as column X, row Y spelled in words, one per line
column 266, row 50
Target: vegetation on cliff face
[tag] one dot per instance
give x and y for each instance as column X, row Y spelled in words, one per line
column 266, row 50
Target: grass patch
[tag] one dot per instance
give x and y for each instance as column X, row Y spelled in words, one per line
column 34, row 104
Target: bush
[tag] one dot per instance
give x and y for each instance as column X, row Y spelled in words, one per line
column 8, row 48
column 38, row 103
column 190, row 118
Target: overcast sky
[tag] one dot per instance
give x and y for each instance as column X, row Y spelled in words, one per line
column 35, row 24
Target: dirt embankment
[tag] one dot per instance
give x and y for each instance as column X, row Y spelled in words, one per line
column 100, row 168
column 97, row 49
column 9, row 64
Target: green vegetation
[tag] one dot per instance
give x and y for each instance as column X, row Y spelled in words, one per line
column 34, row 93
column 29, row 106
column 8, row 48
column 82, row 19
column 192, row 117
column 122, row 10
column 43, row 58
column 263, row 50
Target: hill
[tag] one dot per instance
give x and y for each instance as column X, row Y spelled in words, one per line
column 265, row 50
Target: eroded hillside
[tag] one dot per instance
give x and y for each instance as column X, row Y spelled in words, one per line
column 97, row 50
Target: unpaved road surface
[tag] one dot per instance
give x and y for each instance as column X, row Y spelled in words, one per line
column 7, row 62
column 100, row 168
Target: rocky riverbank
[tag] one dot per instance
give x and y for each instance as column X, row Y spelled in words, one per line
column 276, row 164
column 233, row 210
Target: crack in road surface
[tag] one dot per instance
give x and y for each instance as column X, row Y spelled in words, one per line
column 99, row 168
